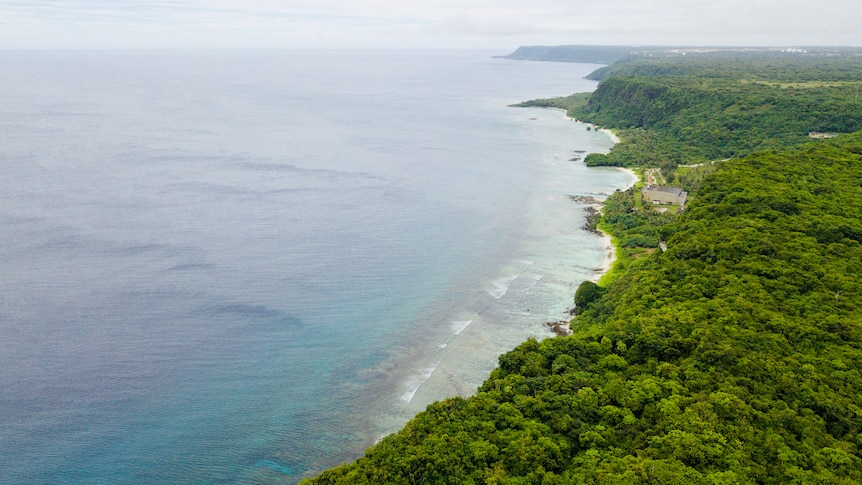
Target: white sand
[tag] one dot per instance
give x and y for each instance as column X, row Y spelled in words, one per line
column 633, row 174
column 614, row 138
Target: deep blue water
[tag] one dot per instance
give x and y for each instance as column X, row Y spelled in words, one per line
column 247, row 266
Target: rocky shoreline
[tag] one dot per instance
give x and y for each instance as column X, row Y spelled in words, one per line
column 560, row 328
column 593, row 215
column 593, row 211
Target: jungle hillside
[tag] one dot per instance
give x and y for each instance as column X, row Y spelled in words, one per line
column 727, row 346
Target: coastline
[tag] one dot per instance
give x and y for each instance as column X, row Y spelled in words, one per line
column 610, row 248
column 496, row 325
column 563, row 328
column 610, row 256
column 614, row 138
column 611, row 134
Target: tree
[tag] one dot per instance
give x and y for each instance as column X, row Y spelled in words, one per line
column 586, row 293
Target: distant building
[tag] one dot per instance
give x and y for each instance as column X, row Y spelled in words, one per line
column 821, row 135
column 658, row 194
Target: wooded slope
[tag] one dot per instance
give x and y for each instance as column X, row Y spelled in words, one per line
column 733, row 357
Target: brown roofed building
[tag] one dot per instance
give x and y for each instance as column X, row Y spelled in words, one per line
column 661, row 195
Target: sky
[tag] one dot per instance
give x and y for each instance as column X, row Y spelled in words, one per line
column 480, row 24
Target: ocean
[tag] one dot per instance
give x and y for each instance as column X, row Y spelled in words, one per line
column 248, row 266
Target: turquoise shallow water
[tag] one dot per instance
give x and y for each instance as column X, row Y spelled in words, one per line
column 247, row 266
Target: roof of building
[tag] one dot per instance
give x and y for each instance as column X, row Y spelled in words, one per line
column 668, row 190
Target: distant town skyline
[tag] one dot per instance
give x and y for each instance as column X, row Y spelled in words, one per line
column 485, row 24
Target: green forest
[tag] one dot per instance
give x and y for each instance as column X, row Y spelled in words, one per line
column 697, row 109
column 734, row 356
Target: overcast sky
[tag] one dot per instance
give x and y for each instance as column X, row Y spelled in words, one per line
column 497, row 24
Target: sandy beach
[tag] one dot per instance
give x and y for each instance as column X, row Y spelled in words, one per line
column 614, row 137
column 610, row 257
column 611, row 134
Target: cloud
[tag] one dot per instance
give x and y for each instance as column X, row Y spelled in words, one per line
column 429, row 23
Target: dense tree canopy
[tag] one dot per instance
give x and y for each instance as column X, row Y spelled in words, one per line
column 733, row 357
column 678, row 120
column 713, row 106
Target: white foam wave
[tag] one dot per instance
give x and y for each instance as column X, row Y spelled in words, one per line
column 501, row 286
column 416, row 382
column 459, row 326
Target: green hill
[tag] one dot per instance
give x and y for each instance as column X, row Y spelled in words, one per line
column 712, row 106
column 733, row 357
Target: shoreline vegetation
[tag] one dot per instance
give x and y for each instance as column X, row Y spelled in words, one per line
column 724, row 343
